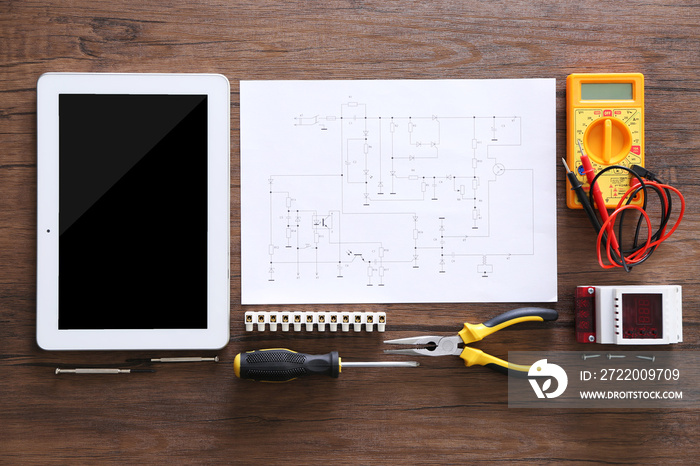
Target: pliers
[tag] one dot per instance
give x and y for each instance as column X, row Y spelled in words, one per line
column 446, row 346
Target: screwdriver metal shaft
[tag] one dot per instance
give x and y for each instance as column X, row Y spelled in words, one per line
column 381, row 364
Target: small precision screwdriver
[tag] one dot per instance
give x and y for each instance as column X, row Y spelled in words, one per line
column 101, row 370
column 281, row 365
column 178, row 359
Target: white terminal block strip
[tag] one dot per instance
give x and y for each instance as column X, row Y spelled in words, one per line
column 297, row 321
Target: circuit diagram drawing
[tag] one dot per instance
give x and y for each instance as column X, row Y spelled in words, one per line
column 371, row 203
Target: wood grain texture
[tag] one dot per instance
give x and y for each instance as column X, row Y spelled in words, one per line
column 439, row 413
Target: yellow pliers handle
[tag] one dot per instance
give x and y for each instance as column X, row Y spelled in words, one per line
column 475, row 332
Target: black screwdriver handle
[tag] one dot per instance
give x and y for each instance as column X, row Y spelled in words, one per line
column 281, row 365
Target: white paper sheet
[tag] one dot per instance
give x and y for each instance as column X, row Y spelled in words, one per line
column 398, row 191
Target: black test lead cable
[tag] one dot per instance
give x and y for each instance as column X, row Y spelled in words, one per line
column 638, row 253
column 577, row 187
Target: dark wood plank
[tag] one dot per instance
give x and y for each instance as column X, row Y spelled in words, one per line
column 439, row 413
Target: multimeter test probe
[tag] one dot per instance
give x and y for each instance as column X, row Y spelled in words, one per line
column 643, row 182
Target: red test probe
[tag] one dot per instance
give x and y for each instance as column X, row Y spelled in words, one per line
column 597, row 195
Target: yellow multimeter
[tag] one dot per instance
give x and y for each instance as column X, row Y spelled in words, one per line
column 605, row 112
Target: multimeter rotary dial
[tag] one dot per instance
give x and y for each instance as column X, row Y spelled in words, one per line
column 607, row 140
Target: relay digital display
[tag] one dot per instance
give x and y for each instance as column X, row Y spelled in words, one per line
column 642, row 315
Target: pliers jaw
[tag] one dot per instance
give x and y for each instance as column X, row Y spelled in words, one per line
column 431, row 346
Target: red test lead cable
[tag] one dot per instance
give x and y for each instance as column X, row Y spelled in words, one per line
column 638, row 253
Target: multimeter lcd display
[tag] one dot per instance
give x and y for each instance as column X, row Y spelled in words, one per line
column 132, row 211
column 642, row 315
column 606, row 91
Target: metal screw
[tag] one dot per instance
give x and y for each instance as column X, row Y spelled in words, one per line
column 591, row 290
column 591, row 338
column 611, row 356
column 649, row 358
column 588, row 356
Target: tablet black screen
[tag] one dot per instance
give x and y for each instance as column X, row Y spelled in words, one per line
column 132, row 211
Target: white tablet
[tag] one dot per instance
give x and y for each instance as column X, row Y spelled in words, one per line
column 133, row 211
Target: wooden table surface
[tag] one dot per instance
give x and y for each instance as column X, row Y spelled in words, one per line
column 441, row 412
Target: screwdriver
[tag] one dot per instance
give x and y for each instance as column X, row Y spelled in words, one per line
column 281, row 365
column 101, row 370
